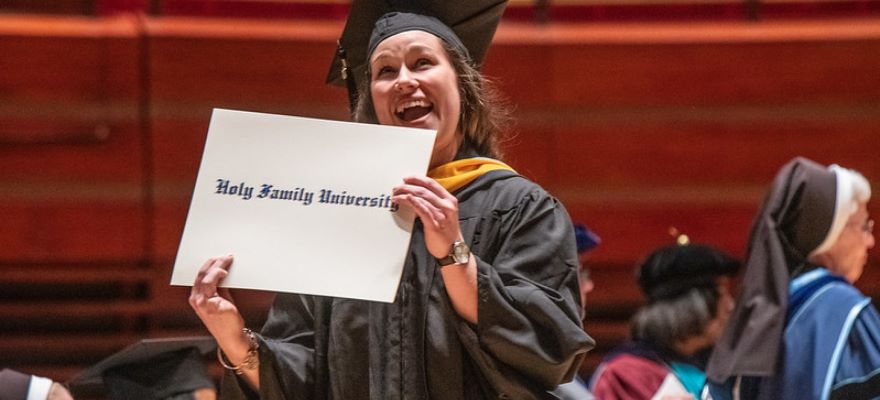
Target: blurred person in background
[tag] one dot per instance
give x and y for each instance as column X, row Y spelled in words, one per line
column 687, row 287
column 586, row 240
column 801, row 330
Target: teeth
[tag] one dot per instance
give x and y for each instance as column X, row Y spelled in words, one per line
column 410, row 104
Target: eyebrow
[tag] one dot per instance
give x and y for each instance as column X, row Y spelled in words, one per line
column 416, row 47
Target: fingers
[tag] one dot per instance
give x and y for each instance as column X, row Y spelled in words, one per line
column 209, row 277
column 437, row 209
column 429, row 184
column 215, row 274
column 421, row 192
column 431, row 211
column 429, row 214
column 431, row 191
column 435, row 215
column 225, row 293
column 212, row 272
column 212, row 303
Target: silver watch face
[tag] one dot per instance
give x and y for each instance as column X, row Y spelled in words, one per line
column 461, row 253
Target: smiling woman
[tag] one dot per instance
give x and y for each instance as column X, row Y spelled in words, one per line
column 413, row 83
column 480, row 120
column 488, row 302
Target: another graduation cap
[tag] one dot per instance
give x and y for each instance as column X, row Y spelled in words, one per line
column 671, row 271
column 473, row 21
column 151, row 369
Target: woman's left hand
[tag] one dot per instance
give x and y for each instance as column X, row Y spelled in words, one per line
column 436, row 207
column 438, row 210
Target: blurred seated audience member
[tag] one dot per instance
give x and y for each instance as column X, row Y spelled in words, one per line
column 801, row 330
column 586, row 241
column 15, row 385
column 176, row 375
column 152, row 369
column 688, row 304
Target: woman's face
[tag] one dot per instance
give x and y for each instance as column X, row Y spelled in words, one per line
column 724, row 309
column 414, row 84
column 715, row 327
column 849, row 254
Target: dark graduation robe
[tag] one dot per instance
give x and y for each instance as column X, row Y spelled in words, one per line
column 528, row 339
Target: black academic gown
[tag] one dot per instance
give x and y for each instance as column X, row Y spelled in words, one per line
column 528, row 339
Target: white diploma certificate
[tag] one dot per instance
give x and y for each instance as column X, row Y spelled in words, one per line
column 304, row 205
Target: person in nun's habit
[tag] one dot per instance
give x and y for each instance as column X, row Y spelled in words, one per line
column 488, row 303
column 800, row 329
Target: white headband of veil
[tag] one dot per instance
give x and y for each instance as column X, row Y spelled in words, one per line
column 852, row 190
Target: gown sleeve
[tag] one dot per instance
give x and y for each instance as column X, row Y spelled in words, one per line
column 287, row 359
column 529, row 335
column 858, row 373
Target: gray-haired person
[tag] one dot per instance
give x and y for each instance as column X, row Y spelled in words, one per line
column 688, row 303
column 801, row 330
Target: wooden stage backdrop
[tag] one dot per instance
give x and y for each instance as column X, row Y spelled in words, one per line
column 637, row 128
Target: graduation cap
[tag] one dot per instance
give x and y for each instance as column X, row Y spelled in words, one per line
column 671, row 271
column 151, row 369
column 473, row 21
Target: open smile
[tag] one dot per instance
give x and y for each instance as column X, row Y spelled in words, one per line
column 413, row 109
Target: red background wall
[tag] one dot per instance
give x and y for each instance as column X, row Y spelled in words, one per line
column 635, row 127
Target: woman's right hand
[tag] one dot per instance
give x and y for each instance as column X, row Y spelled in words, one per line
column 214, row 304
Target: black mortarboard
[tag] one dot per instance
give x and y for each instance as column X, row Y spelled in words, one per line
column 151, row 369
column 473, row 21
column 671, row 271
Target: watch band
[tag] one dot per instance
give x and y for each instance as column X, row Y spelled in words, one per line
column 459, row 253
column 448, row 260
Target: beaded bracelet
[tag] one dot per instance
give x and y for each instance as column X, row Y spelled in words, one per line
column 251, row 360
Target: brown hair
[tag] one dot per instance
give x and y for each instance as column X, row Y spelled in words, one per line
column 484, row 115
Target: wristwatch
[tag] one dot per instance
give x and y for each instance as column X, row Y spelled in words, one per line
column 459, row 253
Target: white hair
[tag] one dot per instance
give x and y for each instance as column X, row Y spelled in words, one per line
column 852, row 191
